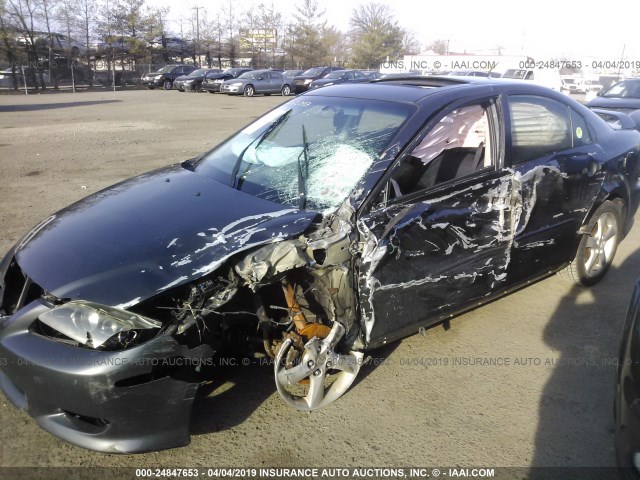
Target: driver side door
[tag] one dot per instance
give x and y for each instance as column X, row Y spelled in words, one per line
column 437, row 238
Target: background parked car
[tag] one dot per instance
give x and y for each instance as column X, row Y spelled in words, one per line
column 60, row 44
column 257, row 81
column 165, row 76
column 122, row 78
column 292, row 73
column 193, row 81
column 339, row 76
column 213, row 81
column 623, row 97
column 301, row 82
column 115, row 45
column 173, row 45
column 6, row 77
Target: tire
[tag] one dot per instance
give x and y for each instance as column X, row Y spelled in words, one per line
column 150, row 87
column 249, row 91
column 167, row 85
column 198, row 88
column 211, row 92
column 286, row 90
column 75, row 51
column 597, row 246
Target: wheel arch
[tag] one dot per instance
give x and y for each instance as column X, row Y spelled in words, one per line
column 619, row 195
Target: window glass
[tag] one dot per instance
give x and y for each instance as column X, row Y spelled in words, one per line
column 457, row 146
column 579, row 129
column 539, row 126
column 318, row 146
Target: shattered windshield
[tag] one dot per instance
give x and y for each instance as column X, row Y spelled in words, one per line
column 308, row 153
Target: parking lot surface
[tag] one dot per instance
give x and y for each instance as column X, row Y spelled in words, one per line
column 527, row 380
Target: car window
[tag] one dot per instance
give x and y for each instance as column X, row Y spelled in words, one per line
column 459, row 145
column 539, row 126
column 579, row 129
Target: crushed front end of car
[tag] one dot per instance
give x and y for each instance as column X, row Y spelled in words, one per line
column 114, row 309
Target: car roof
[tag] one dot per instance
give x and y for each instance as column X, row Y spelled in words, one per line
column 413, row 89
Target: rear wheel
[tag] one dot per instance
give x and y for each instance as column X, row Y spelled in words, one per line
column 168, row 84
column 249, row 91
column 198, row 87
column 598, row 245
column 286, row 91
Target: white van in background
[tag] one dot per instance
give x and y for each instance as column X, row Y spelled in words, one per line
column 546, row 77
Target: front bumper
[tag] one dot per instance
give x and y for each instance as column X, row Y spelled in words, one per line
column 232, row 89
column 300, row 87
column 117, row 402
column 211, row 87
column 152, row 82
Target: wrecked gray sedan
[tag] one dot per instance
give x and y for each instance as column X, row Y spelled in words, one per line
column 343, row 219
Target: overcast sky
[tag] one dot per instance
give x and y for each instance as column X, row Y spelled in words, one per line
column 540, row 28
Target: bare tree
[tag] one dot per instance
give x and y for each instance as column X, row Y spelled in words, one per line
column 7, row 34
column 24, row 13
column 441, row 47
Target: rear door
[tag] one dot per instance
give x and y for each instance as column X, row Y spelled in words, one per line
column 556, row 178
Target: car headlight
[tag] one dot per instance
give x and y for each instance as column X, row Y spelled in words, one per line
column 188, row 81
column 308, row 81
column 158, row 77
column 96, row 325
column 218, row 81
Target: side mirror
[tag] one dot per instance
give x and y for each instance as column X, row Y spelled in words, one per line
column 599, row 93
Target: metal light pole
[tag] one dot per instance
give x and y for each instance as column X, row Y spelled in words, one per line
column 197, row 9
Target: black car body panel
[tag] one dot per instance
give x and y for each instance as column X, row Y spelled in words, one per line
column 58, row 253
column 623, row 97
column 627, row 396
column 341, row 76
column 192, row 82
column 422, row 233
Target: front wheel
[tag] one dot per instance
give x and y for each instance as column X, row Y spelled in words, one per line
column 168, row 84
column 597, row 246
column 198, row 88
column 249, row 91
column 286, row 91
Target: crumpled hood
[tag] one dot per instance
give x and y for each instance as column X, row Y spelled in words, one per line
column 148, row 234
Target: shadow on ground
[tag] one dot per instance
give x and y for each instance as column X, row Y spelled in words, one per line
column 584, row 337
column 51, row 106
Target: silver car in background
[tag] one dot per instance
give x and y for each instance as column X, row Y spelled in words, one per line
column 257, row 81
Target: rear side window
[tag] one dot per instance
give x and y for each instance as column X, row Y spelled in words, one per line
column 539, row 126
